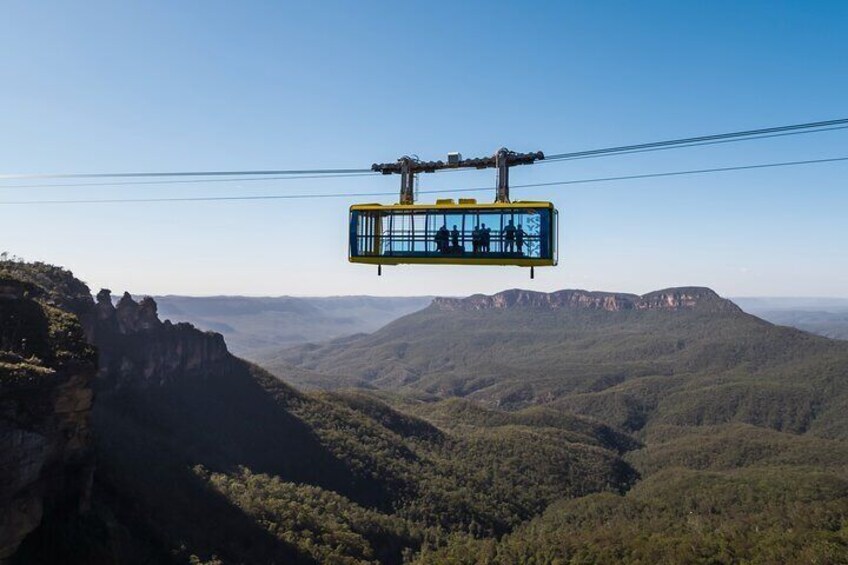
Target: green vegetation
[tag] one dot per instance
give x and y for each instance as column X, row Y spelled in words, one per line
column 710, row 494
column 740, row 428
column 519, row 435
column 678, row 516
column 320, row 524
column 14, row 368
column 36, row 336
column 57, row 285
column 727, row 447
column 255, row 438
column 711, row 364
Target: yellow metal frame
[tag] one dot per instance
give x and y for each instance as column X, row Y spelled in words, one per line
column 453, row 261
column 450, row 205
column 463, row 204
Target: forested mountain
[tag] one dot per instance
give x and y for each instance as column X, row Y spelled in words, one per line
column 570, row 427
column 678, row 356
column 199, row 455
column 743, row 454
column 258, row 328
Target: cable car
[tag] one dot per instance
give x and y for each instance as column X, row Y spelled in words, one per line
column 465, row 232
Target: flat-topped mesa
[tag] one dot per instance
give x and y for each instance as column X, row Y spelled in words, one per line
column 683, row 298
column 531, row 299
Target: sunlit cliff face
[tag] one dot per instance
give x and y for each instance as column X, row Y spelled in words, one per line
column 669, row 299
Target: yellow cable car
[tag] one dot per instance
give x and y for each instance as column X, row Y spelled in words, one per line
column 505, row 233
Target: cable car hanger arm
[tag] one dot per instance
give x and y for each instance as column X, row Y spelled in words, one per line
column 503, row 159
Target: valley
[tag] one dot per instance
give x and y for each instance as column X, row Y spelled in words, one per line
column 257, row 326
column 393, row 283
column 516, row 427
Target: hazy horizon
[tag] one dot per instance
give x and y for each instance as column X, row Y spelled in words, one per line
column 675, row 390
column 271, row 296
column 286, row 86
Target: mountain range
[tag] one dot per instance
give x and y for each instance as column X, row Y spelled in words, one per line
column 189, row 454
column 684, row 355
column 571, row 427
column 259, row 328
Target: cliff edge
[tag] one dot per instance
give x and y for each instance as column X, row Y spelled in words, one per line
column 670, row 299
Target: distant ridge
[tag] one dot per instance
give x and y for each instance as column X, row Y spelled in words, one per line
column 680, row 298
column 253, row 326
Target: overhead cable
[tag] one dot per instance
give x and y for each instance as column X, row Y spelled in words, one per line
column 192, row 181
column 809, row 127
column 699, row 139
column 685, row 145
column 438, row 191
column 183, row 174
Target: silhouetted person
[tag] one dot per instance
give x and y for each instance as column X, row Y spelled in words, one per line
column 455, row 239
column 476, row 239
column 485, row 237
column 509, row 237
column 441, row 239
column 519, row 239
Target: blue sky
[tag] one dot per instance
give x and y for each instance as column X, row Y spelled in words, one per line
column 137, row 86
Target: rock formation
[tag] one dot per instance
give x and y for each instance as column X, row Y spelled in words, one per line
column 684, row 298
column 49, row 373
column 137, row 349
column 46, row 461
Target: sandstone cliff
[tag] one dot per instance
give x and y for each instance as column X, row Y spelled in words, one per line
column 139, row 350
column 683, row 298
column 58, row 349
column 46, row 370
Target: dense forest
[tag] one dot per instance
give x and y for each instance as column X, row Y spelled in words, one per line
column 527, row 434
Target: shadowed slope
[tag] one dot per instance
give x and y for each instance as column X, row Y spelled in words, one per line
column 201, row 454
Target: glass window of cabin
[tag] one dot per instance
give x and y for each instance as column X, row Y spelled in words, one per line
column 508, row 233
column 513, row 233
column 404, row 234
column 444, row 233
column 365, row 233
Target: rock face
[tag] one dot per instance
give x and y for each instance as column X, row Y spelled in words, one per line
column 49, row 373
column 684, row 298
column 46, row 371
column 139, row 350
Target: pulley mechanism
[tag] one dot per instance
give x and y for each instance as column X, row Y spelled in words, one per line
column 502, row 160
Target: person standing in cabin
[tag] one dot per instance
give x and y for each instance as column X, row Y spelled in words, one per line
column 486, row 238
column 519, row 239
column 475, row 239
column 442, row 239
column 509, row 238
column 455, row 240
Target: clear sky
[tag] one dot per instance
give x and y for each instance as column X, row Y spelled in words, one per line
column 142, row 86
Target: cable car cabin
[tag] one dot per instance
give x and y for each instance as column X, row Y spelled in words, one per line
column 522, row 234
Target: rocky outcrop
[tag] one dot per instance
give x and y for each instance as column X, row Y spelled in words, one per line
column 49, row 374
column 671, row 299
column 46, row 460
column 138, row 350
column 685, row 298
